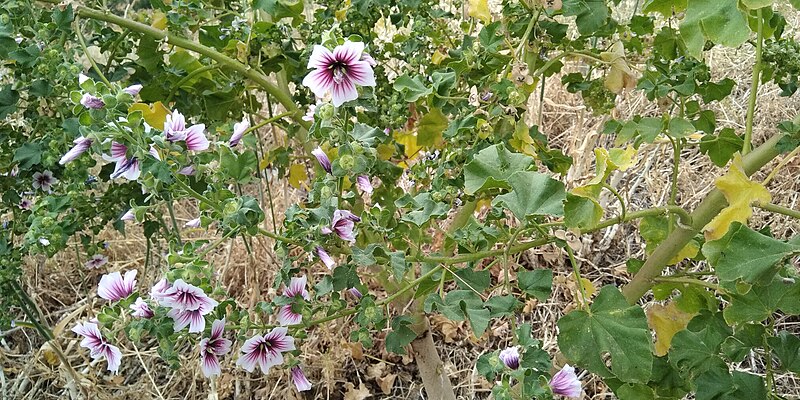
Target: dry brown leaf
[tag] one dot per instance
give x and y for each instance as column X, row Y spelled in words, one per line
column 447, row 327
column 386, row 383
column 351, row 393
column 356, row 350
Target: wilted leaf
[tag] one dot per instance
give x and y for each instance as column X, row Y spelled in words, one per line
column 620, row 76
column 741, row 193
column 480, row 9
column 666, row 321
column 155, row 114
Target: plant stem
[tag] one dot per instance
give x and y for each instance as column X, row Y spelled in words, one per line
column 198, row 196
column 577, row 272
column 702, row 215
column 284, row 97
column 779, row 210
column 751, row 104
column 174, row 222
column 676, row 162
column 619, row 198
column 780, row 165
column 82, row 42
column 187, row 78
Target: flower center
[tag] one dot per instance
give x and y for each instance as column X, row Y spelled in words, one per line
column 339, row 71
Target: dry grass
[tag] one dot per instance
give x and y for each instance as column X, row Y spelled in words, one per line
column 64, row 290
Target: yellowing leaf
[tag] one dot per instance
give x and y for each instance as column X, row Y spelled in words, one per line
column 741, row 193
column 480, row 9
column 438, row 57
column 666, row 321
column 609, row 161
column 522, row 140
column 297, row 175
column 385, row 151
column 620, row 76
column 155, row 114
column 159, row 20
column 689, row 251
column 409, row 141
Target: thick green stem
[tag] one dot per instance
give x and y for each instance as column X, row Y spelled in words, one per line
column 751, row 104
column 779, row 210
column 702, row 215
column 262, row 80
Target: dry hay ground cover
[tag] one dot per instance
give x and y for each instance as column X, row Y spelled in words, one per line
column 65, row 291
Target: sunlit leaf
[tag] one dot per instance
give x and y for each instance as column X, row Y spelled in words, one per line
column 741, row 193
column 719, row 21
column 154, row 114
column 297, row 175
column 479, row 9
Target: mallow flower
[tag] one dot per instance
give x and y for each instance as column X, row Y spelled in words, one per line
column 212, row 347
column 81, row 145
column 175, row 130
column 566, row 383
column 323, row 159
column 325, row 257
column 363, row 183
column 114, row 286
column 265, row 351
column 97, row 345
column 510, row 357
column 342, row 224
column 339, row 71
column 97, row 261
column 299, row 379
column 296, row 287
column 140, row 309
column 92, row 102
column 239, row 129
column 126, row 167
column 44, row 180
column 133, row 90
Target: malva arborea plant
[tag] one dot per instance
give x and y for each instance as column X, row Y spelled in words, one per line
column 219, row 188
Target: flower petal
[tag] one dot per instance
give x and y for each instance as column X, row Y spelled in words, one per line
column 195, row 138
column 343, row 92
column 321, row 58
column 320, row 81
column 348, row 52
column 361, row 73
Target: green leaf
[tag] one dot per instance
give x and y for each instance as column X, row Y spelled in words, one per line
column 614, row 328
column 63, row 18
column 680, row 128
column 537, row 283
column 696, row 348
column 280, row 8
column 400, row 336
column 719, row 21
column 721, row 148
column 8, row 101
column 756, row 4
column 492, row 167
column 762, row 301
column 424, row 209
column 746, row 254
column 430, row 128
column 665, row 7
column 786, row 347
column 469, row 279
column 28, row 155
column 533, row 194
column 581, row 212
column 411, row 88
column 716, row 91
column 239, row 167
column 478, row 319
column 591, row 15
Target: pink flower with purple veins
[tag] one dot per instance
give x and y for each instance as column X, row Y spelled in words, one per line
column 97, row 345
column 25, row 204
column 363, row 183
column 114, row 287
column 44, row 180
column 212, row 347
column 299, row 378
column 339, row 72
column 566, row 383
column 239, row 129
column 510, row 357
column 175, row 130
column 194, row 318
column 342, row 224
column 92, row 102
column 194, row 223
column 187, row 171
column 297, row 287
column 325, row 257
column 323, row 159
column 312, row 109
column 154, row 152
column 140, row 309
column 159, row 291
column 126, row 167
column 133, row 90
column 81, row 145
column 184, row 296
column 265, row 351
column 97, row 261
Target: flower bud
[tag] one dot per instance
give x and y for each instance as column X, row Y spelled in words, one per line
column 347, row 162
column 325, row 111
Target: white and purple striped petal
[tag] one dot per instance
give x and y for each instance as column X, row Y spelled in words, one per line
column 81, row 145
column 339, row 71
column 92, row 102
column 184, row 296
column 566, row 383
column 239, row 129
column 299, row 379
column 114, row 286
column 265, row 351
column 323, row 159
column 140, row 309
column 325, row 257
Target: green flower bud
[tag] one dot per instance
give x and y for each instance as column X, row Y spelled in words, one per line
column 325, row 111
column 325, row 192
column 347, row 162
column 231, row 207
column 357, row 148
